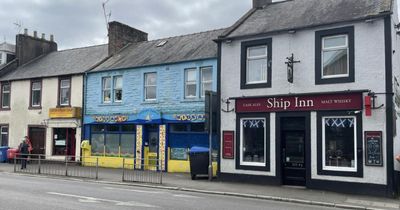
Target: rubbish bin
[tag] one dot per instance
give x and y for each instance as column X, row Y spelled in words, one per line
column 3, row 154
column 11, row 154
column 198, row 157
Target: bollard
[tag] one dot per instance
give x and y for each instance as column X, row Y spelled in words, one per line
column 97, row 168
column 123, row 169
column 39, row 165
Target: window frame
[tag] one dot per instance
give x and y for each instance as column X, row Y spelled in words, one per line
column 320, row 36
column 59, row 91
column 2, row 96
column 186, row 82
column 202, row 82
column 239, row 142
column 145, row 86
column 31, row 106
column 114, row 78
column 245, row 47
column 103, row 90
column 8, row 133
column 322, row 169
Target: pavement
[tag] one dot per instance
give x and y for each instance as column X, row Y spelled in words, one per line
column 297, row 195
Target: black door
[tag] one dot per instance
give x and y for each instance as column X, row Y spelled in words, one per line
column 293, row 151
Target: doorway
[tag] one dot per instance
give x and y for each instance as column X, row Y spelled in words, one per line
column 64, row 141
column 37, row 135
column 293, row 139
column 151, row 142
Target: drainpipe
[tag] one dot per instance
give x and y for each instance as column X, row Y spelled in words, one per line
column 84, row 80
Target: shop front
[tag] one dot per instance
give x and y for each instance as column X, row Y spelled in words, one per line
column 319, row 140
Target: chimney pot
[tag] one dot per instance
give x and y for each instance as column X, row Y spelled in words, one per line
column 43, row 36
column 51, row 37
column 26, row 31
column 35, row 34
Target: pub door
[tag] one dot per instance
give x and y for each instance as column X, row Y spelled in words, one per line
column 37, row 135
column 293, row 151
column 151, row 142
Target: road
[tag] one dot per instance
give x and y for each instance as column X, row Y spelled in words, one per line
column 26, row 192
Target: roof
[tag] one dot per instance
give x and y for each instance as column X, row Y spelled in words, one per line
column 297, row 14
column 65, row 62
column 175, row 49
column 7, row 47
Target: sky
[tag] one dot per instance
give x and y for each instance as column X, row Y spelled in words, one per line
column 79, row 23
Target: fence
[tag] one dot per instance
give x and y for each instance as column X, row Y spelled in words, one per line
column 133, row 170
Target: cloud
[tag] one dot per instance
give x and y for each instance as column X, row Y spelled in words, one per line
column 77, row 23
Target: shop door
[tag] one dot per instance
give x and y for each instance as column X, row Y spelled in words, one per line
column 37, row 136
column 71, row 143
column 152, row 141
column 293, row 151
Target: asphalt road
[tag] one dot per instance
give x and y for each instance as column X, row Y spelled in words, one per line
column 30, row 193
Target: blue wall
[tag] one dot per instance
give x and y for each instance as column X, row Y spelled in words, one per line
column 170, row 90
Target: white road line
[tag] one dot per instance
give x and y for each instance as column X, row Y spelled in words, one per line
column 185, row 196
column 132, row 190
column 88, row 199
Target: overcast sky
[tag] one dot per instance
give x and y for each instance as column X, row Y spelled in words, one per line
column 78, row 23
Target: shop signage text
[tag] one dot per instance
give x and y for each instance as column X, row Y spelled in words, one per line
column 190, row 117
column 343, row 101
column 67, row 112
column 111, row 119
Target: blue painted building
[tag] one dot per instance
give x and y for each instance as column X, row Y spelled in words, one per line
column 147, row 100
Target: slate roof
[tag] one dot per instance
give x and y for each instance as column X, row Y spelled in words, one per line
column 176, row 49
column 64, row 62
column 297, row 14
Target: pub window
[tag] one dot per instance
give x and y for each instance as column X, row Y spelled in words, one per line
column 206, row 80
column 252, row 141
column 3, row 136
column 335, row 55
column 190, row 83
column 65, row 92
column 256, row 64
column 5, row 95
column 339, row 143
column 106, row 89
column 150, row 86
column 117, row 89
column 36, row 94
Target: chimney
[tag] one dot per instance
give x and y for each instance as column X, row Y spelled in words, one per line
column 261, row 3
column 119, row 35
column 30, row 47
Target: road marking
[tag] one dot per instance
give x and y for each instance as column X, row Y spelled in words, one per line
column 185, row 196
column 88, row 199
column 132, row 190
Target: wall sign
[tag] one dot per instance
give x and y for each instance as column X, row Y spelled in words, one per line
column 179, row 154
column 111, row 119
column 227, row 145
column 373, row 145
column 338, row 101
column 65, row 112
column 190, row 117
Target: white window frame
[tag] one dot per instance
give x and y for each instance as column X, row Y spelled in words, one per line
column 323, row 49
column 114, row 88
column 104, row 89
column 338, row 168
column 249, row 58
column 32, row 93
column 2, row 96
column 243, row 163
column 190, row 82
column 65, row 87
column 205, row 81
column 147, row 85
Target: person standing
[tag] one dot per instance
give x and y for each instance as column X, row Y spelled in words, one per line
column 24, row 152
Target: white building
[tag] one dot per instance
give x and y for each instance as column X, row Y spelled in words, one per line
column 308, row 122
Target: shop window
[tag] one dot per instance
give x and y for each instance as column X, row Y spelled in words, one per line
column 256, row 64
column 206, row 80
column 106, row 89
column 150, row 86
column 127, row 145
column 5, row 95
column 3, row 135
column 112, row 145
column 113, row 128
column 335, row 55
column 128, row 128
column 59, row 141
column 65, row 92
column 179, row 128
column 340, row 145
column 36, row 94
column 97, row 143
column 118, row 89
column 98, row 128
column 197, row 127
column 190, row 83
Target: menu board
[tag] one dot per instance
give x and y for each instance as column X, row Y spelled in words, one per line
column 373, row 151
column 228, row 141
column 179, row 154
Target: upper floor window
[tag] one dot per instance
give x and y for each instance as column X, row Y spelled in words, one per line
column 150, row 86
column 36, row 94
column 206, row 80
column 106, row 89
column 335, row 56
column 65, row 92
column 190, row 83
column 256, row 64
column 117, row 89
column 5, row 95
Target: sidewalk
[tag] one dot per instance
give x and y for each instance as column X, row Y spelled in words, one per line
column 183, row 182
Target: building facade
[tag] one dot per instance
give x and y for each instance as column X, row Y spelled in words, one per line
column 7, row 53
column 147, row 101
column 313, row 98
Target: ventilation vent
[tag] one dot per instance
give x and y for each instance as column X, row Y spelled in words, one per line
column 162, row 43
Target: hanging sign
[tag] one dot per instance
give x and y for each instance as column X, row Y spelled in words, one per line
column 227, row 144
column 373, row 145
column 337, row 101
